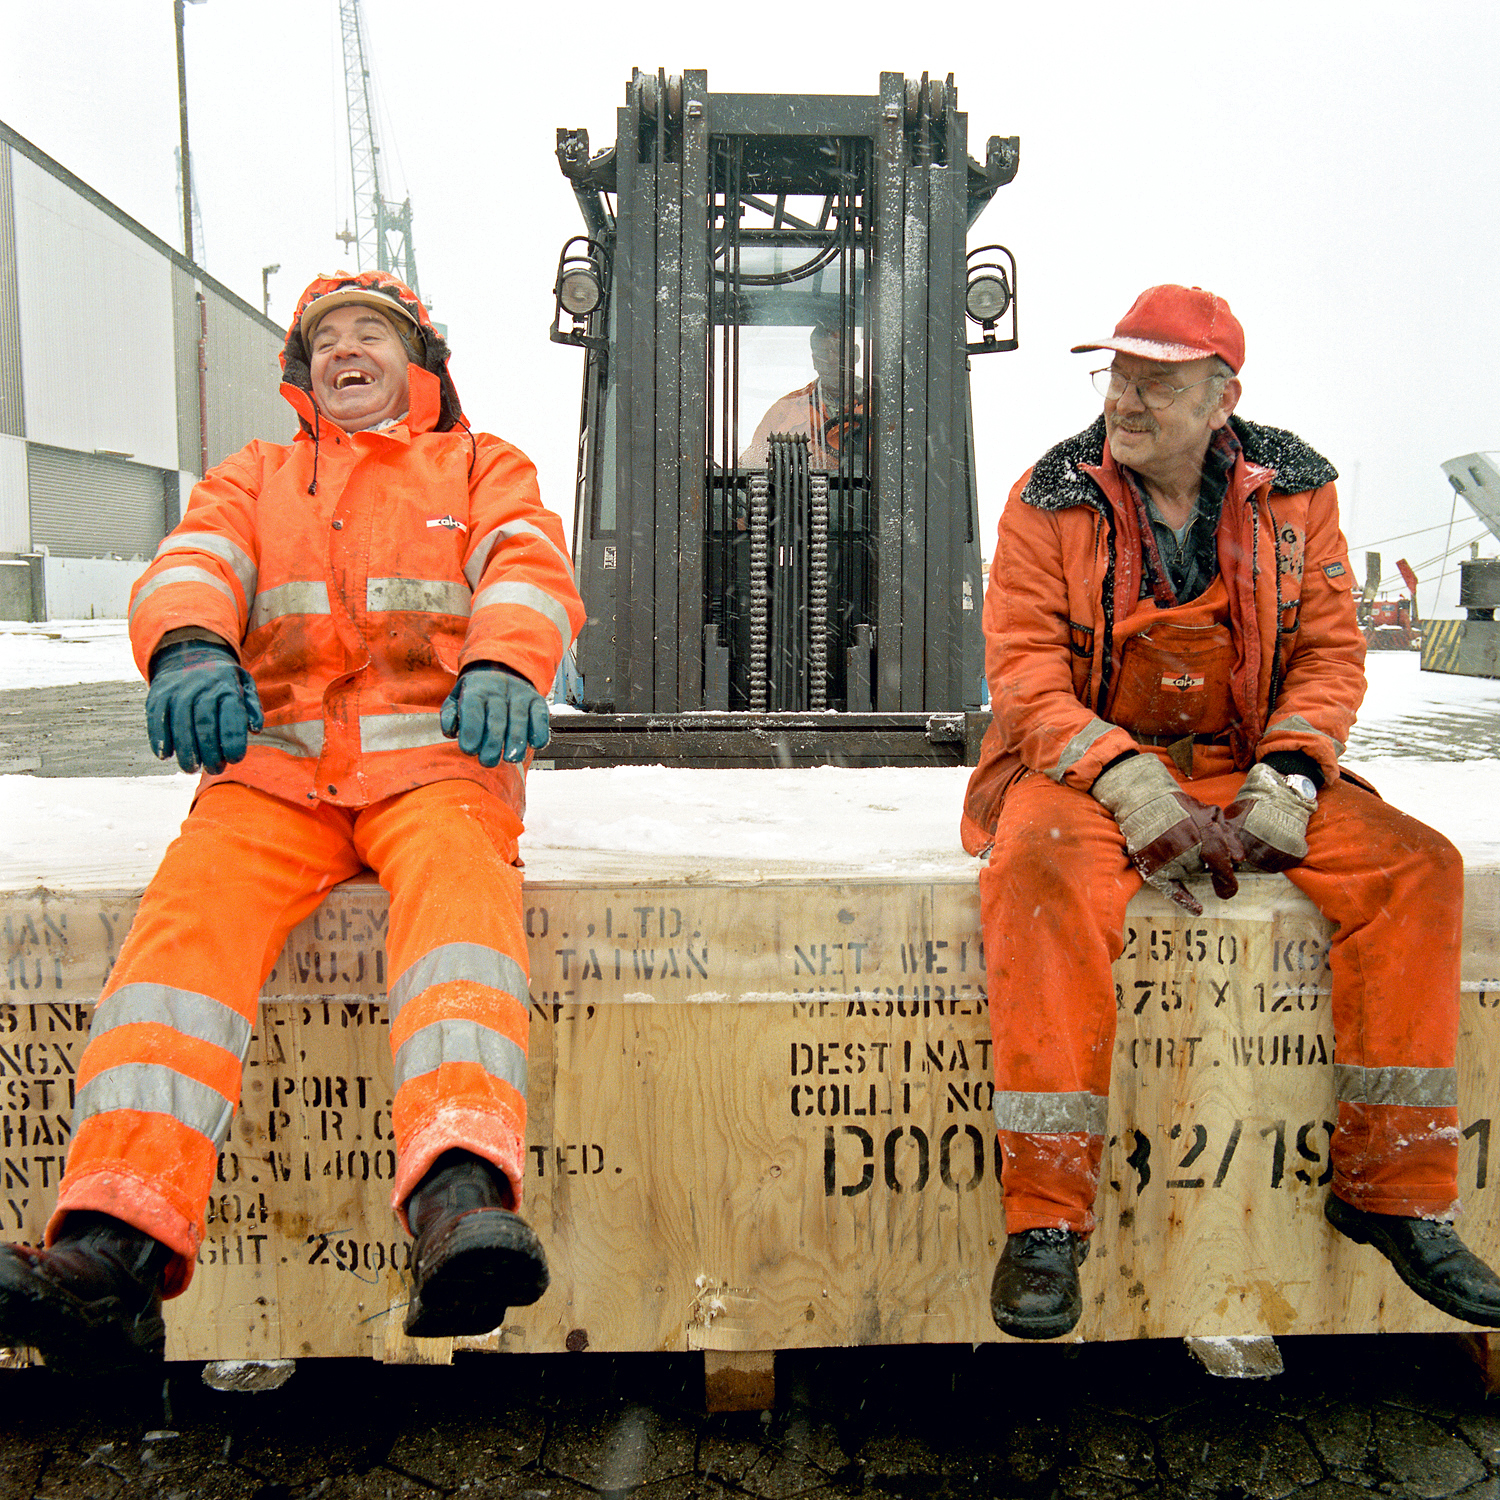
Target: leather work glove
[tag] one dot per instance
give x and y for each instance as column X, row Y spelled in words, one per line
column 1270, row 819
column 202, row 706
column 1169, row 834
column 493, row 711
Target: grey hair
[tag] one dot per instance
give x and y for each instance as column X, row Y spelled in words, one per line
column 1214, row 391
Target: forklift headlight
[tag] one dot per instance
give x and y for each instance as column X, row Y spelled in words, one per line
column 579, row 291
column 988, row 295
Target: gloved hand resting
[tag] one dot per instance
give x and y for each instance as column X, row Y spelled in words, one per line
column 493, row 710
column 1270, row 820
column 202, row 706
column 1169, row 834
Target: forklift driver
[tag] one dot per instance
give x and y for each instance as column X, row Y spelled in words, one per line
column 1175, row 664
column 817, row 409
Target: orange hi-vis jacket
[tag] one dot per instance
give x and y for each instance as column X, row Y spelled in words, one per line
column 1067, row 572
column 804, row 411
column 357, row 573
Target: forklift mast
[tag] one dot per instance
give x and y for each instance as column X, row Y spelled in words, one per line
column 775, row 518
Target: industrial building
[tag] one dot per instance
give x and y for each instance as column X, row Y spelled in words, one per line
column 125, row 372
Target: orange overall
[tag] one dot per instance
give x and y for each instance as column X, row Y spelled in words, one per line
column 356, row 574
column 1054, row 892
column 160, row 1079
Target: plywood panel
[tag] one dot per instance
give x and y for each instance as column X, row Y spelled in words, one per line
column 760, row 1118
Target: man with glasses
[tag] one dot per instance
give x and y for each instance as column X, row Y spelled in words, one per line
column 1174, row 666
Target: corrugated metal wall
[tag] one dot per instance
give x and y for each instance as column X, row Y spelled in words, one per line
column 244, row 379
column 12, row 411
column 86, row 506
column 96, row 316
column 15, row 506
column 185, row 348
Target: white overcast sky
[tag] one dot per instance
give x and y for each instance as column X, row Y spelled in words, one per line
column 1329, row 166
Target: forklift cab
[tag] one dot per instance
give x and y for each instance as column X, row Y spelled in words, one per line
column 775, row 510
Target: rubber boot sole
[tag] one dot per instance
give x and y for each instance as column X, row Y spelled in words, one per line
column 75, row 1337
column 1349, row 1223
column 484, row 1263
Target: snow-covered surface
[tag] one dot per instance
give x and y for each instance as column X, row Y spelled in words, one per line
column 646, row 822
column 63, row 652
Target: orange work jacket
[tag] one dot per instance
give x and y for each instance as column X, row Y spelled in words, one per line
column 1067, row 567
column 355, row 600
column 803, row 411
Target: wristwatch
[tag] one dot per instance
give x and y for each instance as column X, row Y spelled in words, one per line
column 1303, row 786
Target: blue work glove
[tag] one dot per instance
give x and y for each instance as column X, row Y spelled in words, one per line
column 493, row 711
column 202, row 706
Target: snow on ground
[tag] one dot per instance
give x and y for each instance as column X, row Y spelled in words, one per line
column 630, row 821
column 63, row 652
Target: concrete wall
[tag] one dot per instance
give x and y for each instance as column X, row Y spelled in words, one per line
column 15, row 588
column 90, row 588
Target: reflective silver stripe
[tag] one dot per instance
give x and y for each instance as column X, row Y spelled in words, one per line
column 184, row 575
column 425, row 596
column 157, row 1090
column 400, row 732
column 198, row 1016
column 1078, row 746
column 1418, row 1088
column 471, row 961
column 425, row 1051
column 479, row 558
column 1052, row 1114
column 1296, row 724
column 289, row 599
column 507, row 592
column 305, row 739
column 238, row 559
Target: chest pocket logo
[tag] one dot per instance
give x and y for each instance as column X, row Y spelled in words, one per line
column 448, row 523
column 1289, row 551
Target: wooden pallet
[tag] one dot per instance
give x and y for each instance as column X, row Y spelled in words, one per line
column 760, row 1120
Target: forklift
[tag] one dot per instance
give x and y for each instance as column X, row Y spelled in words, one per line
column 779, row 570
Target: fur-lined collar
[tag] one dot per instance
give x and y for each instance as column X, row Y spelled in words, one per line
column 1058, row 480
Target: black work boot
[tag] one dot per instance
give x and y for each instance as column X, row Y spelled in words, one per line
column 1428, row 1256
column 1035, row 1293
column 92, row 1303
column 473, row 1257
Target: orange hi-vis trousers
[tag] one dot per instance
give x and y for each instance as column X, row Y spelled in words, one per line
column 1052, row 905
column 160, row 1078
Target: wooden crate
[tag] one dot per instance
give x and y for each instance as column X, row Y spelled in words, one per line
column 761, row 1119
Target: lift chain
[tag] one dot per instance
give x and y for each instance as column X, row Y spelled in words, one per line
column 817, row 632
column 759, row 590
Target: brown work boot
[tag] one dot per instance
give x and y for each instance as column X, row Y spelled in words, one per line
column 1035, row 1293
column 473, row 1258
column 1428, row 1256
column 92, row 1303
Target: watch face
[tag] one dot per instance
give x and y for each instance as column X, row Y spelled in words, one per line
column 1303, row 786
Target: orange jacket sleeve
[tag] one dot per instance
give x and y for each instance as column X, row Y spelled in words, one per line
column 204, row 573
column 526, row 610
column 1040, row 558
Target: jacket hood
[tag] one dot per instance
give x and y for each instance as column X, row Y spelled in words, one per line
column 1059, row 478
column 296, row 358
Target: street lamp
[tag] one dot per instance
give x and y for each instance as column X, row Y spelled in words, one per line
column 187, row 175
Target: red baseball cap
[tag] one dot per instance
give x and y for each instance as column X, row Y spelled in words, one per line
column 1176, row 324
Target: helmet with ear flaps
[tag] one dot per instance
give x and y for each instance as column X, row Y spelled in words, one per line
column 425, row 346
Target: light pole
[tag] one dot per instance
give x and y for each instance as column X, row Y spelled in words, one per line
column 266, row 273
column 187, row 175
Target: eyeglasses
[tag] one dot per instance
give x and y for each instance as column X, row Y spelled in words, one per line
column 1154, row 393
